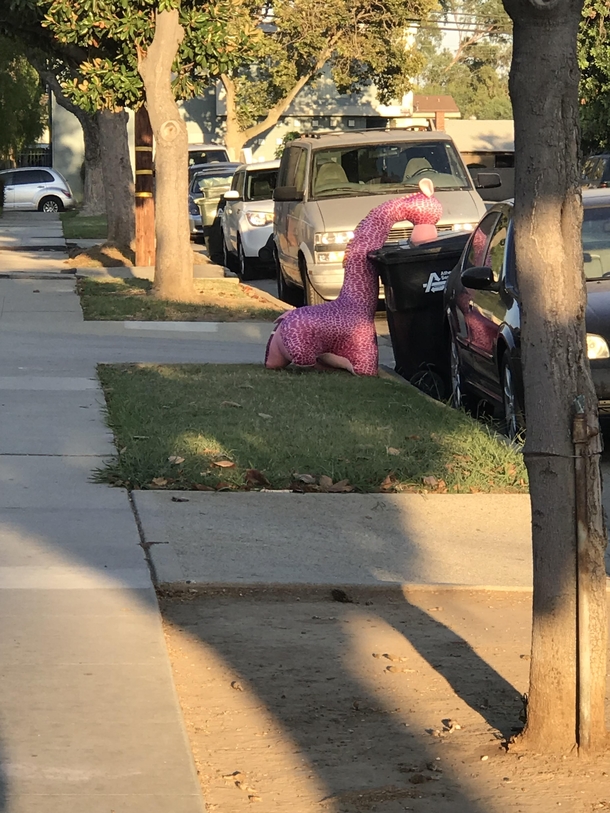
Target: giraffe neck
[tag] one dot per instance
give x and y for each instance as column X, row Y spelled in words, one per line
column 361, row 282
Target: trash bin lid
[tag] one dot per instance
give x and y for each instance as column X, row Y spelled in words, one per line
column 446, row 246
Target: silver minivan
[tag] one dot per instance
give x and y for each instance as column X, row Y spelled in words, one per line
column 327, row 184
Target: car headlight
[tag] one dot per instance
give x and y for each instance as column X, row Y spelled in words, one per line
column 597, row 347
column 193, row 210
column 259, row 218
column 329, row 238
column 329, row 256
column 463, row 227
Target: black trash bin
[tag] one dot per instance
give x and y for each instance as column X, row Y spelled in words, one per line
column 414, row 280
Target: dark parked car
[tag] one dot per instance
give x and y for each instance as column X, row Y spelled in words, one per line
column 483, row 312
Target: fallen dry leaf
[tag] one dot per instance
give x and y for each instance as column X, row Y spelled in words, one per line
column 325, row 482
column 391, row 450
column 159, row 481
column 305, row 478
column 224, row 464
column 175, row 459
column 254, row 477
column 342, row 487
column 231, row 404
column 388, row 483
column 264, row 415
column 201, row 487
column 430, row 481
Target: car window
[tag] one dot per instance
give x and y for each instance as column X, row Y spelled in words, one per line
column 238, row 182
column 27, row 176
column 497, row 245
column 592, row 170
column 596, row 242
column 301, row 172
column 7, row 178
column 45, row 177
column 477, row 251
column 292, row 157
column 260, row 184
column 207, row 156
column 207, row 183
column 376, row 169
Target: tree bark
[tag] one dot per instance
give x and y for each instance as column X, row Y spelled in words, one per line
column 118, row 178
column 94, row 197
column 174, row 265
column 547, row 220
column 94, row 202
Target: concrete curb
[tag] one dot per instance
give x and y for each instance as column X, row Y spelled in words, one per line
column 354, row 592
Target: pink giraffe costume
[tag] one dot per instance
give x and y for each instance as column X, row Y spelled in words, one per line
column 341, row 333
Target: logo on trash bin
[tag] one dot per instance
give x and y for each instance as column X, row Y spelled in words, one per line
column 436, row 282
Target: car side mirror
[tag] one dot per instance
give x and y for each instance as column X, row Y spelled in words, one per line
column 285, row 194
column 479, row 277
column 232, row 194
column 487, row 180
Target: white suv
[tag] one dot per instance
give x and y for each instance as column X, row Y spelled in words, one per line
column 36, row 188
column 246, row 217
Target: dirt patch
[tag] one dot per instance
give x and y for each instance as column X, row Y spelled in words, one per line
column 390, row 705
column 102, row 256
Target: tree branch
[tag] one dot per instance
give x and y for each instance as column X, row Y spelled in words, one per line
column 280, row 107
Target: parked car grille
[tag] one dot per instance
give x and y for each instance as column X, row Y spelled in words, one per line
column 404, row 232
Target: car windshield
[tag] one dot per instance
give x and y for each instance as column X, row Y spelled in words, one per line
column 207, row 184
column 596, row 242
column 207, row 156
column 260, row 184
column 379, row 169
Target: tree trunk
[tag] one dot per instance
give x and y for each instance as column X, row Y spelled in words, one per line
column 93, row 190
column 548, row 215
column 118, row 178
column 94, row 198
column 174, row 266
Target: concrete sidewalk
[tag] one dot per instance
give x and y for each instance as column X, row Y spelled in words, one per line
column 89, row 719
column 368, row 540
column 32, row 242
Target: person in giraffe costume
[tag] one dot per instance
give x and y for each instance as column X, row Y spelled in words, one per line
column 342, row 333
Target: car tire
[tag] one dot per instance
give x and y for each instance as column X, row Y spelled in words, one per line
column 512, row 422
column 311, row 296
column 245, row 265
column 50, row 205
column 458, row 397
column 287, row 293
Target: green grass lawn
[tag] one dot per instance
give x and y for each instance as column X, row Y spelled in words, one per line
column 213, row 426
column 76, row 226
column 217, row 301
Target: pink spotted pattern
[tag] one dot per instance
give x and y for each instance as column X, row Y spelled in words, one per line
column 345, row 327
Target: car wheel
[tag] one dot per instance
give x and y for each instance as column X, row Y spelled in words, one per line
column 287, row 293
column 245, row 265
column 311, row 296
column 50, row 205
column 458, row 397
column 512, row 419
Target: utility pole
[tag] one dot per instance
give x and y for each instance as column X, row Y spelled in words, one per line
column 145, row 202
